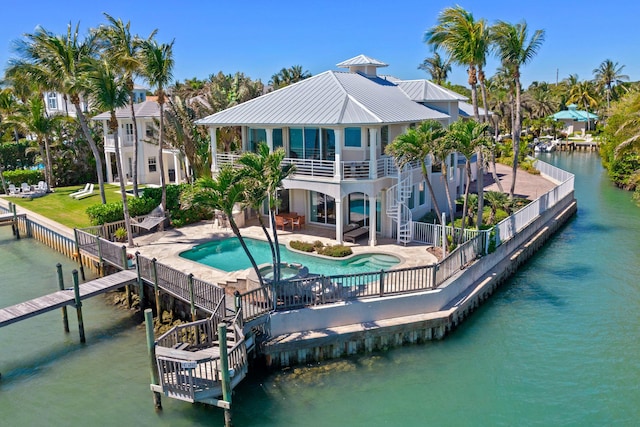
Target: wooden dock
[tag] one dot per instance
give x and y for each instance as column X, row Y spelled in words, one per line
column 66, row 297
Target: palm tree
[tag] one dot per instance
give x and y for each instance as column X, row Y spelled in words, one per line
column 468, row 137
column 417, row 145
column 108, row 92
column 583, row 93
column 437, row 67
column 31, row 119
column 158, row 70
column 224, row 192
column 515, row 49
column 266, row 172
column 441, row 151
column 58, row 64
column 609, row 74
column 496, row 200
column 123, row 50
column 287, row 76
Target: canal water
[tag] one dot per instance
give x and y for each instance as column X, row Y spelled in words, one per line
column 556, row 345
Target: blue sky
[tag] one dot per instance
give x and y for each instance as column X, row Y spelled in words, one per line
column 261, row 37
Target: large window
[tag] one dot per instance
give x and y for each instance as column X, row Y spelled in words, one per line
column 52, row 101
column 384, row 138
column 256, row 136
column 277, row 139
column 421, row 195
column 152, row 164
column 128, row 131
column 358, row 209
column 312, row 143
column 322, row 208
column 352, row 137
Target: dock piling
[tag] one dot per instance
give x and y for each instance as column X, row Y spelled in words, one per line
column 15, row 221
column 151, row 347
column 76, row 290
column 224, row 367
column 65, row 316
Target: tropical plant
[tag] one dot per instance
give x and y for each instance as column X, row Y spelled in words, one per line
column 264, row 172
column 468, row 137
column 417, row 145
column 584, row 93
column 108, row 92
column 607, row 75
column 223, row 193
column 123, row 50
column 496, row 200
column 158, row 71
column 287, row 76
column 515, row 49
column 58, row 63
column 437, row 67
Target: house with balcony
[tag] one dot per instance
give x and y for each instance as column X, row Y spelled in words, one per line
column 58, row 103
column 147, row 113
column 334, row 127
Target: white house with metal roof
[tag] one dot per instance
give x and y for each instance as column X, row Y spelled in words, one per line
column 146, row 113
column 57, row 103
column 334, row 127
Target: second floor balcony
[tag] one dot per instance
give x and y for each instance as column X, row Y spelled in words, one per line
column 125, row 141
column 331, row 169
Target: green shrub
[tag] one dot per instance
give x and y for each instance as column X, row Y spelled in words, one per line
column 318, row 244
column 112, row 212
column 337, row 251
column 302, row 246
column 18, row 176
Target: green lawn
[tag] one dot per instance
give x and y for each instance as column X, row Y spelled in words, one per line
column 66, row 210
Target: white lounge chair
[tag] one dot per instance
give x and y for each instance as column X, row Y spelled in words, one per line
column 85, row 194
column 154, row 218
column 25, row 188
column 13, row 190
column 84, row 190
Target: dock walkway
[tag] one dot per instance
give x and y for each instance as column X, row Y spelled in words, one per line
column 34, row 307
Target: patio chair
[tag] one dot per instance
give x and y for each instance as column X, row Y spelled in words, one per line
column 281, row 222
column 13, row 191
column 84, row 190
column 25, row 188
column 88, row 193
column 297, row 222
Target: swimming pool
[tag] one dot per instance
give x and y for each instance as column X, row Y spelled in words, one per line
column 228, row 255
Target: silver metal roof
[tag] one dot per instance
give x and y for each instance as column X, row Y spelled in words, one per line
column 329, row 98
column 466, row 110
column 424, row 90
column 144, row 109
column 361, row 60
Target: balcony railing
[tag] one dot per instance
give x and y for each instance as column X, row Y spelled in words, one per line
column 326, row 168
column 125, row 141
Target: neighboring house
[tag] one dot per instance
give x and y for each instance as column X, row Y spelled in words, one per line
column 56, row 103
column 148, row 171
column 334, row 127
column 574, row 120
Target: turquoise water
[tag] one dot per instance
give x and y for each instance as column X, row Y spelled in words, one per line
column 228, row 255
column 557, row 345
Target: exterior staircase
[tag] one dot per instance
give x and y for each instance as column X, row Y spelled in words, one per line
column 397, row 205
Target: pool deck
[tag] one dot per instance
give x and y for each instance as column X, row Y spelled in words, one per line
column 167, row 245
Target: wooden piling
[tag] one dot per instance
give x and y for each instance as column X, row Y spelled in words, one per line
column 156, row 290
column 78, row 254
column 192, row 298
column 65, row 316
column 15, row 221
column 125, row 266
column 76, row 291
column 140, row 282
column 224, row 368
column 151, row 347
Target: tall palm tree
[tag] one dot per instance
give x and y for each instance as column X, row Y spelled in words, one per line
column 31, row 118
column 108, row 92
column 224, row 192
column 158, row 70
column 442, row 150
column 287, row 76
column 609, row 74
column 266, row 172
column 437, row 67
column 584, row 93
column 417, row 145
column 123, row 50
column 58, row 62
column 468, row 137
column 516, row 49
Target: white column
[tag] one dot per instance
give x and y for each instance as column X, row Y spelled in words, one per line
column 339, row 224
column 270, row 139
column 372, row 220
column 107, row 164
column 176, row 168
column 339, row 134
column 121, row 137
column 373, row 158
column 214, row 149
